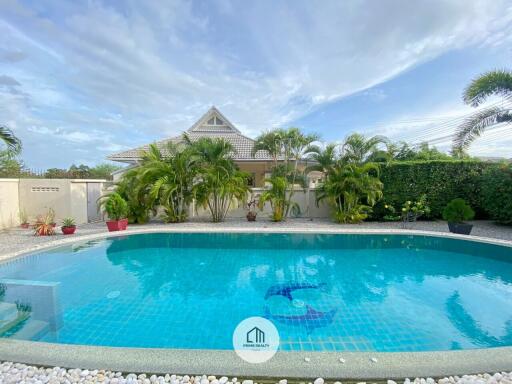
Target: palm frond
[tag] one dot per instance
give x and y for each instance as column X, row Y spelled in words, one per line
column 497, row 82
column 476, row 125
column 12, row 142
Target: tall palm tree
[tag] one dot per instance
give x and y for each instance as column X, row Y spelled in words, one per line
column 358, row 148
column 272, row 142
column 12, row 142
column 491, row 83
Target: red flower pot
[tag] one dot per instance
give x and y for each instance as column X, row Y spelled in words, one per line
column 114, row 225
column 68, row 230
column 25, row 225
column 123, row 223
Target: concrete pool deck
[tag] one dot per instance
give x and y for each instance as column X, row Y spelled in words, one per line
column 354, row 365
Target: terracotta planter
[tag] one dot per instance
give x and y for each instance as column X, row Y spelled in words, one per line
column 68, row 230
column 460, row 228
column 123, row 224
column 25, row 225
column 114, row 225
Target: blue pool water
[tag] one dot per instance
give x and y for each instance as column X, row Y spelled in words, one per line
column 323, row 292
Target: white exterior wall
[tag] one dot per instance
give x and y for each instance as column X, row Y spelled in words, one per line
column 9, row 203
column 68, row 198
column 305, row 198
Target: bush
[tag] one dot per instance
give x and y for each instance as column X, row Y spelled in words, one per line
column 441, row 180
column 457, row 211
column 497, row 193
column 116, row 207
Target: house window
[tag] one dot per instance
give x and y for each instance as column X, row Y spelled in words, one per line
column 215, row 121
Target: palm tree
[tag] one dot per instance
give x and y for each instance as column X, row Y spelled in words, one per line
column 276, row 196
column 12, row 142
column 219, row 183
column 491, row 83
column 358, row 148
column 170, row 179
column 272, row 142
column 352, row 189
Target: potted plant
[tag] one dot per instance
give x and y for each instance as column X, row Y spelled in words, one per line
column 456, row 213
column 51, row 217
column 24, row 219
column 117, row 209
column 68, row 226
column 44, row 226
column 251, row 214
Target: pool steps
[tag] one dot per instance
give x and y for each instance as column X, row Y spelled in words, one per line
column 32, row 330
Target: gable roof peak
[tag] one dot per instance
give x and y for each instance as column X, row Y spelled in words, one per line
column 213, row 121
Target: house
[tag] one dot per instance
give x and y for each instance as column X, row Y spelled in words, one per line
column 212, row 124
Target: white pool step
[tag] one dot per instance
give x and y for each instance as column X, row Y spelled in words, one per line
column 32, row 330
column 8, row 312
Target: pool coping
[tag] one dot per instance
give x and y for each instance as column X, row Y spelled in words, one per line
column 355, row 365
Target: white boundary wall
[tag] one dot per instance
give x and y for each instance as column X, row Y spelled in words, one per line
column 9, row 203
column 306, row 198
column 67, row 197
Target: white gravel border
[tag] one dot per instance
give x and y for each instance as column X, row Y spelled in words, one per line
column 21, row 373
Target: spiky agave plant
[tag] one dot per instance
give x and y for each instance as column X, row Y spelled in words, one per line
column 44, row 225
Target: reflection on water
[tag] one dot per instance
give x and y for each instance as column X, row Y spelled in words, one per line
column 323, row 292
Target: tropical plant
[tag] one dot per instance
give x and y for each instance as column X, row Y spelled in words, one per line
column 12, row 142
column 491, row 83
column 115, row 206
column 23, row 216
column 271, row 142
column 44, row 225
column 276, row 196
column 51, row 215
column 413, row 210
column 358, row 148
column 219, row 181
column 136, row 194
column 458, row 211
column 170, row 179
column 290, row 146
column 68, row 222
column 352, row 189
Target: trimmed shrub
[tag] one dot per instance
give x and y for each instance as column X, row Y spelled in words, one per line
column 497, row 193
column 457, row 211
column 116, row 207
column 441, row 180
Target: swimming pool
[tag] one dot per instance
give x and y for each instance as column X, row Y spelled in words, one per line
column 324, row 292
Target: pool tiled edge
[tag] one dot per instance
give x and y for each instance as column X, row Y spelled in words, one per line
column 356, row 365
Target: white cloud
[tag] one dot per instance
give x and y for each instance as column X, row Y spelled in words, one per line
column 148, row 70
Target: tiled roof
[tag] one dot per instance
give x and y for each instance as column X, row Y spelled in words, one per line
column 221, row 128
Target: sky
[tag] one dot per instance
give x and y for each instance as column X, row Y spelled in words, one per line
column 80, row 80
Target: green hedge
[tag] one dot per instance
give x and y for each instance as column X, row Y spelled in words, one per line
column 440, row 180
column 497, row 193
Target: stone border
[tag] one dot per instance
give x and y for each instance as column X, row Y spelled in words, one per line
column 346, row 365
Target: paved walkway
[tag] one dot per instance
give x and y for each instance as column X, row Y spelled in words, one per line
column 17, row 239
